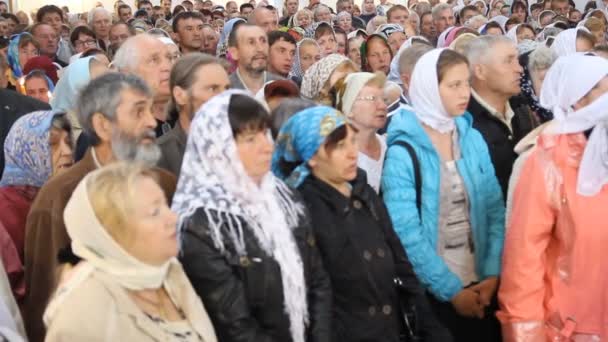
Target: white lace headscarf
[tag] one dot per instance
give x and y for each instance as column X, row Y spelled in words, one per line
column 566, row 82
column 214, row 179
column 425, row 96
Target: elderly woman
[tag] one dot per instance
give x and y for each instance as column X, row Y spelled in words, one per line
column 317, row 153
column 321, row 77
column 344, row 20
column 304, row 19
column 322, row 14
column 556, row 231
column 37, row 147
column 307, row 53
column 129, row 285
column 444, row 199
column 247, row 245
column 21, row 49
column 360, row 97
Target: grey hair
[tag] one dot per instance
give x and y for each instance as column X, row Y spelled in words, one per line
column 436, row 12
column 103, row 95
column 343, row 14
column 318, row 9
column 414, row 14
column 96, row 10
column 410, row 56
column 541, row 59
column 128, row 55
column 286, row 109
column 481, row 48
column 476, row 19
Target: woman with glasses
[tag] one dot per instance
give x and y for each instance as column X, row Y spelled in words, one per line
column 360, row 97
column 82, row 39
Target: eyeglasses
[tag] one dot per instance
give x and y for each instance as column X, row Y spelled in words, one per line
column 371, row 98
column 88, row 43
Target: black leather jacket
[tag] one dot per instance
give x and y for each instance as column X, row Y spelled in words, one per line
column 244, row 295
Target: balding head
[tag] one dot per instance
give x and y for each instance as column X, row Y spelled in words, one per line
column 264, row 18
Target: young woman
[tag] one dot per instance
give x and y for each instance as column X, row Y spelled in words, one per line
column 247, row 246
column 317, row 153
column 307, row 53
column 444, row 199
column 130, row 286
column 360, row 96
column 556, row 231
column 326, row 38
column 37, row 147
column 376, row 54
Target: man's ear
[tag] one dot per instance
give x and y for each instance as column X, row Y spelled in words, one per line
column 478, row 72
column 102, row 127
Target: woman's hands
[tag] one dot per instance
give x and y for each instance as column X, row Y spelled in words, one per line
column 472, row 301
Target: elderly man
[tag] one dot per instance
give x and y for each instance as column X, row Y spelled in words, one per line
column 119, row 33
column 53, row 16
column 248, row 45
column 115, row 111
column 48, row 39
column 495, row 78
column 264, row 18
column 232, row 7
column 443, row 17
column 149, row 58
column 195, row 79
column 100, row 21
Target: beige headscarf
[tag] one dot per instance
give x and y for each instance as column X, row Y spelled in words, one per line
column 318, row 73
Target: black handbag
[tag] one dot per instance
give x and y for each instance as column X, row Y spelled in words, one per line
column 410, row 331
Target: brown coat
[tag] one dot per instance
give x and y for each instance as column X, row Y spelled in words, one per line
column 100, row 310
column 46, row 235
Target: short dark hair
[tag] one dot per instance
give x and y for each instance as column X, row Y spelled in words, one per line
column 12, row 17
column 276, row 36
column 123, row 6
column 245, row 5
column 247, row 114
column 185, row 16
column 81, row 30
column 232, row 38
column 44, row 10
column 395, row 8
column 143, row 2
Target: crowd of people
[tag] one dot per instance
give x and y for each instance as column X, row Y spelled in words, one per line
column 297, row 172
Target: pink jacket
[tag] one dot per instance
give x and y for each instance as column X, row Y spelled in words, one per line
column 555, row 265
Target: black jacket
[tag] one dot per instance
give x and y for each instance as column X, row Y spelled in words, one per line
column 363, row 256
column 501, row 142
column 173, row 147
column 12, row 106
column 244, row 296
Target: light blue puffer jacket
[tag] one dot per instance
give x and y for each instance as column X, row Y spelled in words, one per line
column 487, row 210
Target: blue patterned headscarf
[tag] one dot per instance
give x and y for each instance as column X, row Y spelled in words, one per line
column 12, row 55
column 300, row 138
column 27, row 150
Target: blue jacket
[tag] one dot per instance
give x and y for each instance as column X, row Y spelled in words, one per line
column 487, row 210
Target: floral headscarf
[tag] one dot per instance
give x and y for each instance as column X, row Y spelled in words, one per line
column 296, row 70
column 27, row 150
column 214, row 179
column 13, row 55
column 318, row 73
column 300, row 138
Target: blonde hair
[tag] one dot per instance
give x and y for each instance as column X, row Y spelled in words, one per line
column 113, row 193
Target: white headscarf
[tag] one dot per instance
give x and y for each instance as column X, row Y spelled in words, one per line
column 512, row 34
column 424, row 93
column 354, row 83
column 565, row 42
column 394, row 74
column 566, row 82
column 501, row 20
column 214, row 179
column 443, row 36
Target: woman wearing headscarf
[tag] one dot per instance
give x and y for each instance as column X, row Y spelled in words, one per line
column 394, row 74
column 129, row 285
column 246, row 243
column 444, row 199
column 321, row 77
column 303, row 19
column 376, row 54
column 307, row 53
column 360, row 96
column 22, row 47
column 37, row 147
column 222, row 45
column 571, row 41
column 368, row 11
column 75, row 77
column 317, row 153
column 326, row 38
column 344, row 20
column 556, row 232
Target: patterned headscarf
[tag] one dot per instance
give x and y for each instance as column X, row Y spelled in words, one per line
column 527, row 90
column 214, row 179
column 300, row 138
column 318, row 73
column 296, row 70
column 27, row 150
column 12, row 55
